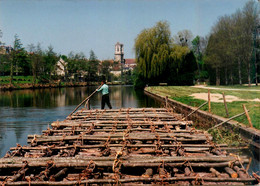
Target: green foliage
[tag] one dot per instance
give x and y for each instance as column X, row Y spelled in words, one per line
column 227, row 136
column 160, row 60
column 105, row 69
column 230, row 46
column 92, row 67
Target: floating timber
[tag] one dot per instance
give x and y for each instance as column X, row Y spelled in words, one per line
column 131, row 146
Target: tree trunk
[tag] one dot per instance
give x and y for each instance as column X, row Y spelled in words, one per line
column 239, row 72
column 217, row 77
column 226, row 76
column 248, row 74
column 231, row 77
column 256, row 82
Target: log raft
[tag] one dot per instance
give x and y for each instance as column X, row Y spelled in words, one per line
column 125, row 146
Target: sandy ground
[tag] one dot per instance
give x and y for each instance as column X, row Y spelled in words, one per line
column 219, row 98
column 205, row 87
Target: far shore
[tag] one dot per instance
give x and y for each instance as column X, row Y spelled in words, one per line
column 9, row 87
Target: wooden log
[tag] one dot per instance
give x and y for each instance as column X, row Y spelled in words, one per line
column 148, row 173
column 187, row 171
column 132, row 180
column 231, row 172
column 59, row 174
column 141, row 159
column 188, row 147
column 84, row 163
column 18, row 175
column 106, row 123
column 215, row 172
column 44, row 139
column 240, row 172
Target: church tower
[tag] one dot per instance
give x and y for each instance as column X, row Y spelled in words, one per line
column 119, row 52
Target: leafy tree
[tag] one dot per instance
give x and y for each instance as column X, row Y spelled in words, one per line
column 105, row 69
column 37, row 61
column 92, row 66
column 15, row 54
column 230, row 47
column 152, row 48
column 159, row 59
column 50, row 59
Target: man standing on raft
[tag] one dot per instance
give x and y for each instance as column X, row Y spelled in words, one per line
column 105, row 95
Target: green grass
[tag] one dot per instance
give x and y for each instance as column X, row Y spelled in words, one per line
column 182, row 94
column 16, row 79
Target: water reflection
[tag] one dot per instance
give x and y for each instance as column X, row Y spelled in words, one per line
column 24, row 112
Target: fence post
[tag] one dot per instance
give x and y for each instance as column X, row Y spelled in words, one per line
column 247, row 115
column 166, row 101
column 209, row 100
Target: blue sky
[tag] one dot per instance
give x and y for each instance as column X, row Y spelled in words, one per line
column 82, row 25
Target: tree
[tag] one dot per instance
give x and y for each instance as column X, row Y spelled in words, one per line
column 17, row 48
column 92, row 66
column 105, row 69
column 183, row 38
column 50, row 59
column 159, row 59
column 231, row 44
column 152, row 48
column 36, row 60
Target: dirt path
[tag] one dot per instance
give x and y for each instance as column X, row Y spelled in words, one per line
column 219, row 98
column 215, row 88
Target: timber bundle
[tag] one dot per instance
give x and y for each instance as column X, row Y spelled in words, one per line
column 128, row 146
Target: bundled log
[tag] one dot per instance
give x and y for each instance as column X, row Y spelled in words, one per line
column 231, row 172
column 122, row 146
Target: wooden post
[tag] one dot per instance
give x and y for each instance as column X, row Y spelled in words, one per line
column 247, row 115
column 225, row 103
column 166, row 101
column 209, row 100
column 87, row 104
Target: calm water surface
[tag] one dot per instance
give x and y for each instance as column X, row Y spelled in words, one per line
column 24, row 112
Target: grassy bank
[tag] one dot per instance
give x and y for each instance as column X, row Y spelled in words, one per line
column 183, row 95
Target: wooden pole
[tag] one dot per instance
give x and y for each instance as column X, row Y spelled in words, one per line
column 84, row 101
column 195, row 110
column 227, row 120
column 166, row 101
column 225, row 103
column 209, row 100
column 247, row 115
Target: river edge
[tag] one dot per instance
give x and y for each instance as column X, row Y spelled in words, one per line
column 251, row 135
column 11, row 87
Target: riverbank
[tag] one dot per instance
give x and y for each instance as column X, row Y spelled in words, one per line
column 18, row 86
column 195, row 96
column 204, row 118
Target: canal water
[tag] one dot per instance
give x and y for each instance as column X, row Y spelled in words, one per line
column 24, row 112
